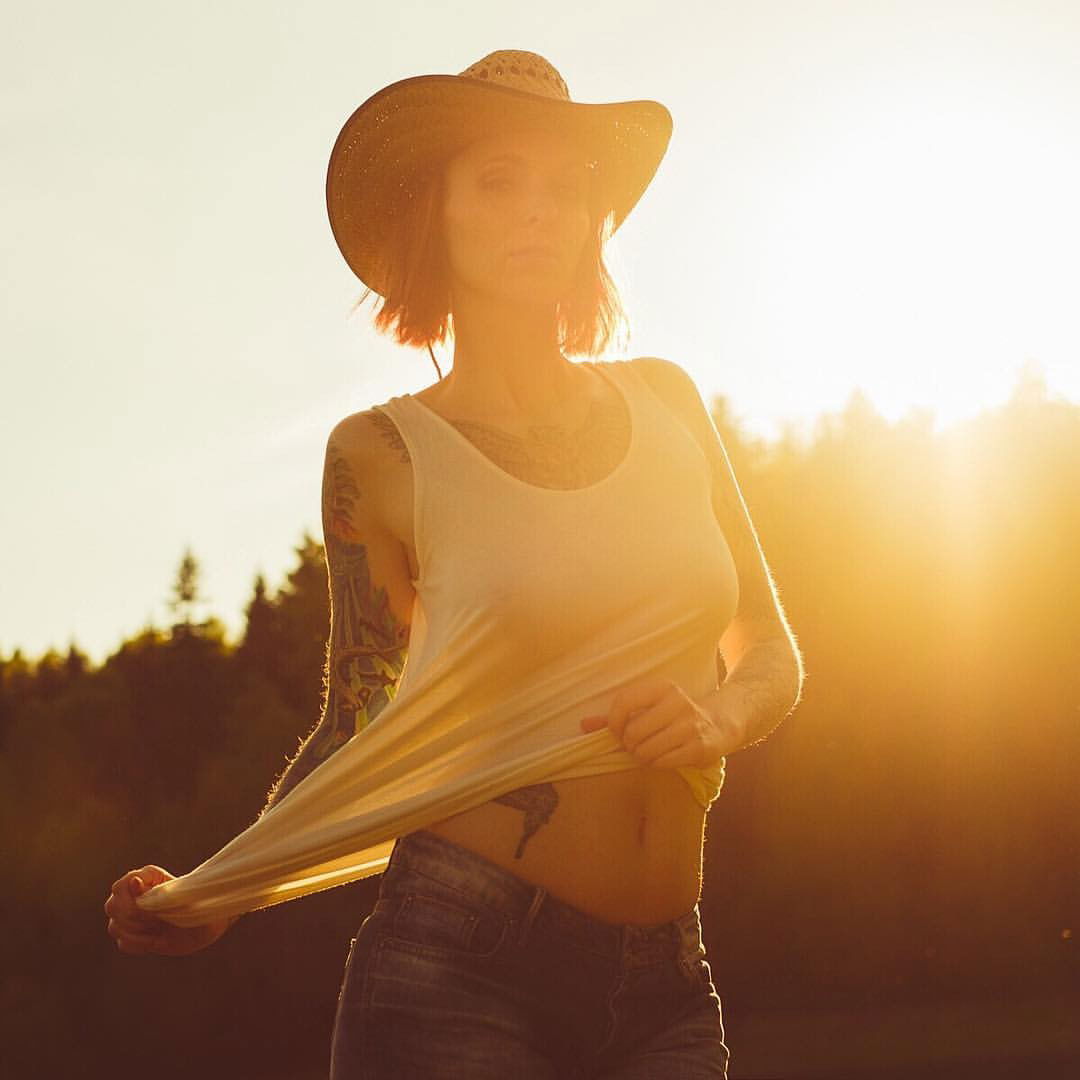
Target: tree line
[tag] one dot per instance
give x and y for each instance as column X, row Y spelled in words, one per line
column 909, row 832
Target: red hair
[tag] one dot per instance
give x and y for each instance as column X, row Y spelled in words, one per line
column 416, row 309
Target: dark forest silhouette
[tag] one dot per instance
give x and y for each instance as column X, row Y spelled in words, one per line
column 910, row 835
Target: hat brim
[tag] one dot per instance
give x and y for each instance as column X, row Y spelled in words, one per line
column 410, row 124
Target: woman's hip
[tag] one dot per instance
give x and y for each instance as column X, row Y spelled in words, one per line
column 458, row 948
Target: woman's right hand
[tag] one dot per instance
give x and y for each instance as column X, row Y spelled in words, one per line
column 141, row 933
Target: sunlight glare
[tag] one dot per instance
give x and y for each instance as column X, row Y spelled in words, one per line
column 927, row 251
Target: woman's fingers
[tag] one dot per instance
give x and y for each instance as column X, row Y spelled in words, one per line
column 141, row 945
column 131, row 940
column 147, row 877
column 126, row 928
column 121, row 905
column 138, row 932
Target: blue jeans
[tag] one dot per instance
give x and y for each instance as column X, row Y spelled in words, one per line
column 464, row 971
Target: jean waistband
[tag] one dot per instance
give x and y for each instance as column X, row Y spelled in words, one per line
column 487, row 884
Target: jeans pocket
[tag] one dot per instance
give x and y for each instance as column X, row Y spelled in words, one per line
column 440, row 925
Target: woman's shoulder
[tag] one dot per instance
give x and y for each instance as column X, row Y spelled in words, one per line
column 369, row 434
column 658, row 369
column 673, row 384
column 677, row 389
column 371, row 447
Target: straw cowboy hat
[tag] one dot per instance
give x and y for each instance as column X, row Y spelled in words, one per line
column 420, row 121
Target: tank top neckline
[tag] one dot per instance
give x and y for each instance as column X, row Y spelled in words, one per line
column 486, row 462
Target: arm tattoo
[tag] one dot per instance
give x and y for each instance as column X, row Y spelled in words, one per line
column 388, row 430
column 367, row 647
column 765, row 681
column 538, row 801
column 766, row 686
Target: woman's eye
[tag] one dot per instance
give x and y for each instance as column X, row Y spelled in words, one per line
column 570, row 187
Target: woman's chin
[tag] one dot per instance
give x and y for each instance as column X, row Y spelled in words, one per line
column 528, row 293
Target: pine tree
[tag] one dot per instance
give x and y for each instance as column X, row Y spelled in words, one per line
column 185, row 593
column 261, row 643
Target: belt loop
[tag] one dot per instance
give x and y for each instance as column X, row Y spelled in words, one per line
column 530, row 915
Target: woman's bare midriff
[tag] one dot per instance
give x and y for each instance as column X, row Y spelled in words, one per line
column 625, row 847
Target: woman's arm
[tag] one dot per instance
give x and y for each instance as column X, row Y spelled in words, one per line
column 764, row 666
column 764, row 687
column 368, row 642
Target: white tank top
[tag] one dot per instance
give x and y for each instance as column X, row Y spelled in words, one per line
column 533, row 607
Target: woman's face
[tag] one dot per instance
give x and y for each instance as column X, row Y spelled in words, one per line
column 510, row 192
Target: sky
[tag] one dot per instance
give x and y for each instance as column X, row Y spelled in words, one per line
column 874, row 196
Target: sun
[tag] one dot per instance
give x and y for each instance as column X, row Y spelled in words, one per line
column 918, row 244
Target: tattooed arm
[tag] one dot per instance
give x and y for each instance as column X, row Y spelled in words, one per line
column 368, row 642
column 759, row 660
column 764, row 668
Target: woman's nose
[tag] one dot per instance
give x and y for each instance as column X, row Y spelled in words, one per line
column 542, row 203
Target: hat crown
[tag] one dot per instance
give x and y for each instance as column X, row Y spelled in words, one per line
column 405, row 132
column 519, row 70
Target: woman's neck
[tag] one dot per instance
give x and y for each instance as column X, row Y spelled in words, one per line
column 507, row 364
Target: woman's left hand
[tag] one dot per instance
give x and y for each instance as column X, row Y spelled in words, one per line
column 656, row 721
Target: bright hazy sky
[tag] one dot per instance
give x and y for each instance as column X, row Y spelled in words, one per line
column 870, row 194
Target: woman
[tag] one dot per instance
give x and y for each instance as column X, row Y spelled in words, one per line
column 552, row 931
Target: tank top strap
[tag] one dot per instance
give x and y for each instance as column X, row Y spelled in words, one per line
column 448, row 475
column 664, row 435
column 424, row 441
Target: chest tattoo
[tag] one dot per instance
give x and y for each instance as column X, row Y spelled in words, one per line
column 553, row 455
